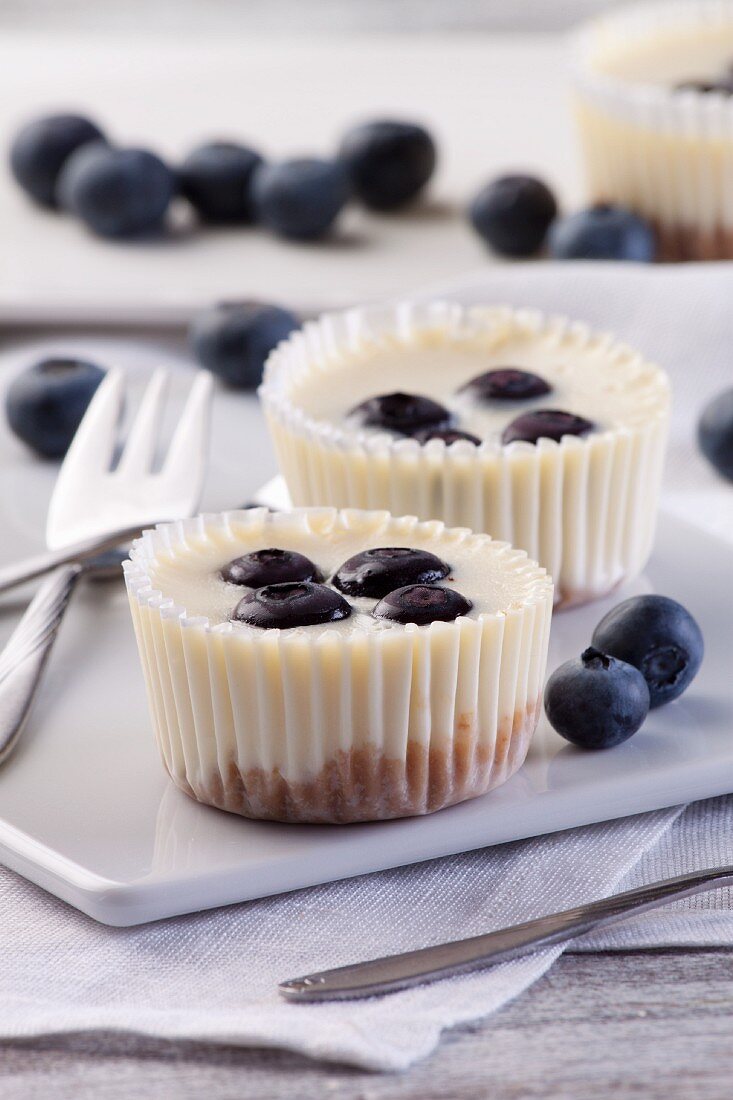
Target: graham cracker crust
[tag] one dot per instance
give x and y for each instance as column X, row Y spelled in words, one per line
column 681, row 242
column 365, row 785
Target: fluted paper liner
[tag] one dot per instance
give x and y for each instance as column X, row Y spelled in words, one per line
column 296, row 726
column 584, row 508
column 666, row 154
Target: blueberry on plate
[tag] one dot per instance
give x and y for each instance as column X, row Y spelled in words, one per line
column 380, row 570
column 545, row 424
column 596, row 701
column 604, row 232
column 507, row 384
column 448, row 435
column 41, row 148
column 388, row 162
column 715, row 433
column 513, row 213
column 300, row 199
column 45, row 403
column 659, row 637
column 297, row 603
column 269, row 566
column 234, row 340
column 116, row 192
column 405, row 413
column 421, row 604
column 217, row 181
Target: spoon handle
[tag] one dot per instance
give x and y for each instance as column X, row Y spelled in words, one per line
column 395, row 972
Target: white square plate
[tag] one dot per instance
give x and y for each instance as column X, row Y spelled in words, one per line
column 87, row 812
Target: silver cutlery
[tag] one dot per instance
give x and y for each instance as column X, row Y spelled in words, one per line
column 446, row 960
column 97, row 504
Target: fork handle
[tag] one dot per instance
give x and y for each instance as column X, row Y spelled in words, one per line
column 28, row 570
column 24, row 657
column 445, row 960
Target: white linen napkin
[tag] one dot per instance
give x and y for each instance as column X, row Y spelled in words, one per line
column 212, row 976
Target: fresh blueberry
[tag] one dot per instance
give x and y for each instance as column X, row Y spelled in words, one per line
column 46, row 402
column 603, row 232
column 269, row 566
column 234, row 340
column 300, row 199
column 513, row 214
column 379, row 571
column 388, row 162
column 658, row 636
column 422, row 603
column 715, row 433
column 217, row 180
column 596, row 701
column 41, row 148
column 406, row 413
column 507, row 384
column 298, row 603
column 545, row 424
column 448, row 435
column 116, row 192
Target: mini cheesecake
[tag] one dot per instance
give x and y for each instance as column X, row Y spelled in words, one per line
column 325, row 666
column 653, row 87
column 535, row 430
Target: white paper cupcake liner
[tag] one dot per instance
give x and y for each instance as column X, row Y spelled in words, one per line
column 584, row 508
column 666, row 154
column 296, row 726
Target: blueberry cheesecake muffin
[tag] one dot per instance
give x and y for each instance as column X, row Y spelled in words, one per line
column 535, row 430
column 331, row 666
column 653, row 87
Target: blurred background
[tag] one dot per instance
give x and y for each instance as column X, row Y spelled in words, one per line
column 488, row 80
column 315, row 16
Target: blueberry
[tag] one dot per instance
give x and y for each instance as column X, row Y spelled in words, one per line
column 299, row 603
column 715, row 433
column 448, row 435
column 116, row 192
column 659, row 637
column 46, row 402
column 379, row 571
column 603, row 232
column 233, row 341
column 422, row 603
column 217, row 180
column 596, row 701
column 405, row 413
column 545, row 424
column 388, row 162
column 300, row 199
column 269, row 566
column 513, row 214
column 40, row 149
column 507, row 384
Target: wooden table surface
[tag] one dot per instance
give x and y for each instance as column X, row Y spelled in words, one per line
column 651, row 1024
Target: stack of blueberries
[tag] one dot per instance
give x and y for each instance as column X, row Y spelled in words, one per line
column 66, row 162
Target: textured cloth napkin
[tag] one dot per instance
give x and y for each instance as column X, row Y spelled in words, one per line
column 212, row 976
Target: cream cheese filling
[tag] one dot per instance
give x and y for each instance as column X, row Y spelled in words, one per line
column 611, row 389
column 492, row 575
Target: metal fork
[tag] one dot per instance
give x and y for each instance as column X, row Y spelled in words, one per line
column 94, row 504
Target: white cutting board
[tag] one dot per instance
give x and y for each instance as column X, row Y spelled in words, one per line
column 495, row 103
column 87, row 812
